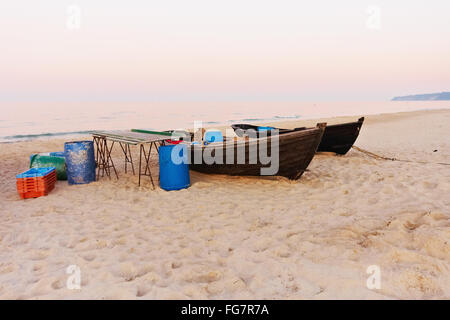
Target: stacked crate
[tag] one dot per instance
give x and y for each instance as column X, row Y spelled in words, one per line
column 36, row 182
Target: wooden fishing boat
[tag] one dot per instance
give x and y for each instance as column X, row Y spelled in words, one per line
column 338, row 138
column 295, row 151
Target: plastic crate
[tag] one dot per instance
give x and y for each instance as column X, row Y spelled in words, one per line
column 36, row 182
column 35, row 172
column 36, row 194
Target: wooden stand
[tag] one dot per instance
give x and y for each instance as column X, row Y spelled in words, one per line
column 125, row 139
column 103, row 158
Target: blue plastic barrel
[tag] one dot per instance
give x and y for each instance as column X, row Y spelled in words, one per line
column 80, row 161
column 173, row 167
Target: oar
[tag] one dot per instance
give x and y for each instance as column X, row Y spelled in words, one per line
column 163, row 133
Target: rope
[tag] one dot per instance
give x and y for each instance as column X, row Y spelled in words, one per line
column 376, row 156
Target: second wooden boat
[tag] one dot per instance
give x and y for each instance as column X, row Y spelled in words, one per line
column 338, row 138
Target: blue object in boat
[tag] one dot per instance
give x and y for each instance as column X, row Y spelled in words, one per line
column 35, row 172
column 173, row 167
column 265, row 128
column 80, row 161
column 213, row 136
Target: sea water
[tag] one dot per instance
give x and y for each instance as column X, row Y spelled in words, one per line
column 27, row 121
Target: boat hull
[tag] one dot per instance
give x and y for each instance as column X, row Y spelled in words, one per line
column 339, row 138
column 296, row 150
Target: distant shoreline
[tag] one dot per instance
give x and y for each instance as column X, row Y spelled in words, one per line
column 30, row 122
column 285, row 123
column 440, row 96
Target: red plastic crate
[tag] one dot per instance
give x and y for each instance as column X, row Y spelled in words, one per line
column 35, row 185
column 36, row 194
column 35, row 182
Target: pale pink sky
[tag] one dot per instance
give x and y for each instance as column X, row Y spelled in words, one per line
column 223, row 50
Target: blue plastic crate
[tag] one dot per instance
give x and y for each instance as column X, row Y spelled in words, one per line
column 35, row 172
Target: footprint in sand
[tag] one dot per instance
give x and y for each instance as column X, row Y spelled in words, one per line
column 430, row 185
column 39, row 267
column 89, row 257
column 6, row 268
column 32, row 280
column 58, row 284
column 142, row 291
column 410, row 226
column 39, row 254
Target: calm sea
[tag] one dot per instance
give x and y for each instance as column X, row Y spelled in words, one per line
column 27, row 121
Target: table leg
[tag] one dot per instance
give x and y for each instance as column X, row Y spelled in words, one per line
column 147, row 157
column 100, row 156
column 104, row 160
column 131, row 158
column 128, row 157
column 140, row 160
column 109, row 158
column 96, row 157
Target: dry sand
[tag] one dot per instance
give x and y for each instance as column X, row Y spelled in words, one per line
column 238, row 238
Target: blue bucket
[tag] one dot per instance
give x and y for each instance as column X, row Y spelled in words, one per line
column 173, row 171
column 80, row 161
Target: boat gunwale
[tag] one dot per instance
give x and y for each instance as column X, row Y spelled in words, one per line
column 359, row 121
column 284, row 136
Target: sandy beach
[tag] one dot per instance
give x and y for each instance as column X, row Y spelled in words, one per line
column 239, row 237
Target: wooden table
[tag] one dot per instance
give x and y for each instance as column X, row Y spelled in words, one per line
column 145, row 141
